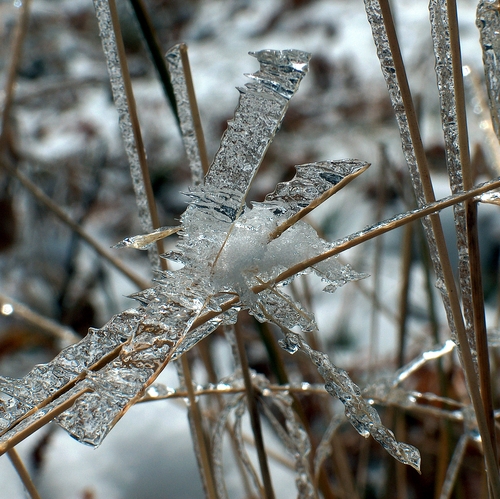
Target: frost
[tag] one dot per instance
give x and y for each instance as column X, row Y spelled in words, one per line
column 231, row 256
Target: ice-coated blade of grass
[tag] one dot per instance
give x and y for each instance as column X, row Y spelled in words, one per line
column 313, row 184
column 187, row 111
column 144, row 241
column 385, row 38
column 109, row 370
column 363, row 417
column 457, row 153
column 488, row 22
column 384, row 34
column 109, row 30
column 261, row 109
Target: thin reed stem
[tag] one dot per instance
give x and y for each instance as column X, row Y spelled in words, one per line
column 49, row 327
column 251, row 398
column 43, row 199
column 16, row 52
column 18, row 464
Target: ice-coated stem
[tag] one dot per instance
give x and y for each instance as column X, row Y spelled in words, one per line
column 450, row 87
column 384, row 34
column 360, row 414
column 261, row 109
column 121, row 87
column 187, row 111
column 488, row 22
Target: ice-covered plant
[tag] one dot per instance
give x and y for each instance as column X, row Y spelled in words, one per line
column 233, row 257
column 237, row 256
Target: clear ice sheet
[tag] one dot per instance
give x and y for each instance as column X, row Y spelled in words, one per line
column 488, row 22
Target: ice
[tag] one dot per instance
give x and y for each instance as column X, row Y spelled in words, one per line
column 358, row 411
column 457, row 155
column 410, row 141
column 231, row 254
column 488, row 22
column 259, row 114
column 184, row 112
column 145, row 241
column 124, row 104
column 276, row 407
column 324, row 449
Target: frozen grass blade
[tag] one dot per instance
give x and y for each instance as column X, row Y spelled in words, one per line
column 450, row 84
column 380, row 17
column 121, row 86
column 312, row 185
column 488, row 22
column 384, row 34
column 360, row 414
column 453, row 119
column 187, row 111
